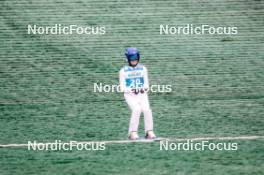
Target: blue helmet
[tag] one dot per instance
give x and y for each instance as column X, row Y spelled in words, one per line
column 132, row 54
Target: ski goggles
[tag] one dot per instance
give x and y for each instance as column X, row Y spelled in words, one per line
column 133, row 57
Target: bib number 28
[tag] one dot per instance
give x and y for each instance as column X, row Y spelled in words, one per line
column 135, row 83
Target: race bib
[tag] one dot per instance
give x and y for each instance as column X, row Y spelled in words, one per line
column 135, row 83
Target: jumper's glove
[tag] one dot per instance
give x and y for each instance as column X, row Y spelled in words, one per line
column 135, row 91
